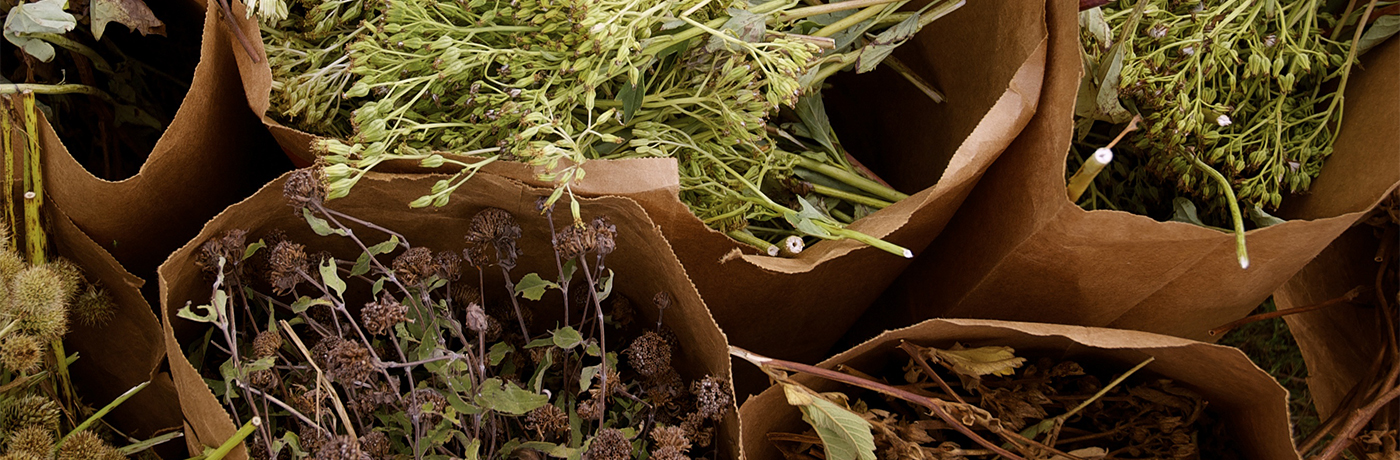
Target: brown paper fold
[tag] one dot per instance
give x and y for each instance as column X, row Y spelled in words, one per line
column 643, row 262
column 988, row 57
column 213, row 153
column 1020, row 250
column 1251, row 403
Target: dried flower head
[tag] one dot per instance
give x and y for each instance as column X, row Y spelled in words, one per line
column 465, row 294
column 29, row 410
column 670, row 436
column 86, row 445
column 380, row 317
column 33, row 440
column 265, row 379
column 498, row 227
column 662, row 300
column 229, row 246
column 286, row 266
column 10, row 264
column 649, row 355
column 590, row 409
column 695, row 429
column 349, row 363
column 307, row 401
column 70, row 277
column 266, row 344
column 713, row 396
column 94, row 307
column 604, row 235
column 38, row 302
column 425, row 404
column 573, row 242
column 305, row 187
column 549, row 421
column 21, row 353
column 312, row 438
column 341, row 448
column 415, row 266
column 668, row 453
column 609, row 444
column 376, row 445
column 476, row 318
column 449, row 265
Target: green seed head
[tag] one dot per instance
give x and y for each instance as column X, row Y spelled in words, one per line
column 29, row 411
column 94, row 307
column 86, row 445
column 22, row 353
column 38, row 301
column 32, row 440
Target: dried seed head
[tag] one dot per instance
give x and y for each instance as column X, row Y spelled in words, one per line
column 286, row 265
column 376, row 445
column 476, row 318
column 649, row 355
column 668, row 453
column 449, row 265
column 229, row 246
column 549, row 421
column 367, row 400
column 38, row 302
column 341, row 448
column 86, row 445
column 604, row 235
column 713, row 396
column 670, row 436
column 94, row 307
column 415, row 266
column 572, row 243
column 498, row 227
column 265, row 379
column 70, row 277
column 350, row 363
column 695, row 429
column 31, row 410
column 312, row 438
column 10, row 264
column 305, row 187
column 426, row 405
column 307, row 401
column 266, row 344
column 662, row 300
column 380, row 317
column 22, row 353
column 609, row 444
column 465, row 294
column 32, row 440
column 590, row 409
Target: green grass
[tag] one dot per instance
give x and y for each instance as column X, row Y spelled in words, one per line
column 1271, row 346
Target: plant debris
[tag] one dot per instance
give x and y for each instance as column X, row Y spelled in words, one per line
column 401, row 351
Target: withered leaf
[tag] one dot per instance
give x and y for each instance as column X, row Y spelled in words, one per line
column 1087, row 453
column 132, row 13
column 845, row 435
column 976, row 362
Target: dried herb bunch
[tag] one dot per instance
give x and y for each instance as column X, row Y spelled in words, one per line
column 403, row 351
column 986, row 402
column 1240, row 103
column 730, row 89
column 40, row 416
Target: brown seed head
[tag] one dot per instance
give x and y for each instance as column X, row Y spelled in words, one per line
column 266, row 344
column 609, row 444
column 32, row 440
column 604, row 235
column 421, row 398
column 22, row 353
column 662, row 300
column 621, row 311
column 549, row 421
column 449, row 265
column 350, row 363
column 39, row 303
column 341, row 448
column 70, row 277
column 670, row 437
column 376, row 445
column 713, row 396
column 305, row 187
column 229, row 246
column 94, row 307
column 415, row 266
column 465, row 294
column 476, row 318
column 380, row 317
column 497, row 227
column 30, row 410
column 86, row 445
column 286, row 265
column 649, row 355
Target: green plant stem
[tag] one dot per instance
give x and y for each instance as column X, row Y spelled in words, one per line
column 809, row 11
column 36, row 88
column 848, row 21
column 63, row 42
column 1240, row 250
column 693, row 32
column 851, row 179
column 135, row 448
column 851, row 197
column 10, row 222
column 1051, row 425
column 236, row 440
column 1091, row 168
column 103, row 411
column 841, row 232
column 763, row 247
column 36, row 241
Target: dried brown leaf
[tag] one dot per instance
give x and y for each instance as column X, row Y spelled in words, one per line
column 977, row 362
column 132, row 13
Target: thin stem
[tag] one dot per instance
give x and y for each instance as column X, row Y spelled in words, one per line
column 1349, row 297
column 289, row 408
column 809, row 11
column 70, row 88
column 63, row 42
column 851, row 197
column 1240, row 251
column 851, row 179
column 913, row 352
column 849, row 21
column 238, row 32
column 101, row 412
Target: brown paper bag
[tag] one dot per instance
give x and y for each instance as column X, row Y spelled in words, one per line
column 1251, row 403
column 212, row 154
column 643, row 263
column 1340, row 342
column 1018, row 249
column 988, row 57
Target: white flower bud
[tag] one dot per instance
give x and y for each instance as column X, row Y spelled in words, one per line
column 1223, row 120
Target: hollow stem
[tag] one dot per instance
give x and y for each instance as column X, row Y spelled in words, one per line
column 235, row 440
column 886, row 246
column 764, row 247
column 1091, row 168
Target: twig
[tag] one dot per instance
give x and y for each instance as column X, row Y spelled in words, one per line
column 1349, row 297
column 937, row 406
column 913, row 352
column 238, row 32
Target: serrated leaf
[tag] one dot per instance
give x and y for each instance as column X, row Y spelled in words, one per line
column 332, row 278
column 844, row 434
column 134, row 14
column 884, row 44
column 567, row 338
column 532, row 286
column 507, row 398
column 977, row 362
column 43, row 16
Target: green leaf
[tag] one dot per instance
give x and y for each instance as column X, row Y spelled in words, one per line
column 304, row 303
column 532, row 286
column 385, row 247
column 189, row 314
column 1261, row 218
column 812, row 112
column 537, row 343
column 378, row 286
column 845, row 436
column 570, row 268
column 567, row 338
column 43, row 16
column 134, row 14
column 977, row 362
column 319, row 225
column 507, row 398
column 537, row 380
column 631, row 96
column 884, row 44
column 498, row 352
column 253, row 249
column 1384, row 28
column 473, row 450
column 607, row 281
column 331, row 278
column 586, row 377
column 361, row 265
